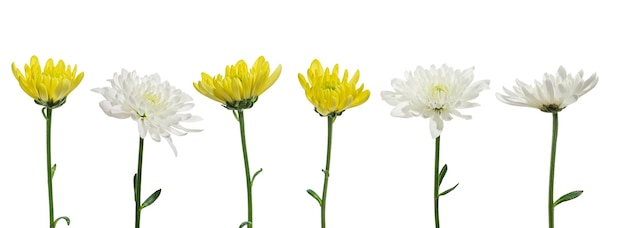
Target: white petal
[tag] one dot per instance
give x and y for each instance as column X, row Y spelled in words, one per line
column 436, row 126
column 589, row 84
column 569, row 100
column 399, row 111
column 389, row 97
column 142, row 130
column 457, row 113
column 169, row 141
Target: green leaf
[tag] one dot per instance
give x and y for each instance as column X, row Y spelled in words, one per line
column 151, row 199
column 449, row 190
column 135, row 186
column 254, row 176
column 569, row 196
column 53, row 169
column 246, row 223
column 315, row 196
column 67, row 220
column 442, row 173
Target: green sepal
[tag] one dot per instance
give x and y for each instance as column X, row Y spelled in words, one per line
column 67, row 220
column 236, row 116
column 53, row 169
column 315, row 196
column 50, row 104
column 442, row 173
column 151, row 199
column 254, row 176
column 449, row 190
column 246, row 223
column 569, row 196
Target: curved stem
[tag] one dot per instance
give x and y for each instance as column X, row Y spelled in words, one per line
column 327, row 169
column 555, row 129
column 138, row 185
column 245, row 162
column 436, row 190
column 49, row 163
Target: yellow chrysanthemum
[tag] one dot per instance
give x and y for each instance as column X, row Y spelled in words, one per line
column 51, row 86
column 328, row 94
column 240, row 87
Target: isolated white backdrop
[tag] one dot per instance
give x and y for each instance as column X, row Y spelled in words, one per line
column 382, row 167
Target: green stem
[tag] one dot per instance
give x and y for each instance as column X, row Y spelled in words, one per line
column 246, row 165
column 436, row 192
column 49, row 163
column 331, row 120
column 555, row 129
column 138, row 185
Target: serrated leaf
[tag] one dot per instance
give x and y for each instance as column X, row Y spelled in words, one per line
column 442, row 173
column 151, row 199
column 246, row 223
column 53, row 169
column 67, row 220
column 254, row 176
column 315, row 196
column 449, row 190
column 569, row 196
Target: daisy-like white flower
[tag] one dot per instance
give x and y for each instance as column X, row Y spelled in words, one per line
column 552, row 94
column 156, row 106
column 435, row 93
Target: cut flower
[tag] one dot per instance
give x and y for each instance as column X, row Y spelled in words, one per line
column 330, row 95
column 435, row 93
column 552, row 94
column 51, row 86
column 156, row 106
column 240, row 87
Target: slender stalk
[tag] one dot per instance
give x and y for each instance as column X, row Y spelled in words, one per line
column 49, row 163
column 246, row 165
column 138, row 185
column 555, row 129
column 436, row 192
column 331, row 120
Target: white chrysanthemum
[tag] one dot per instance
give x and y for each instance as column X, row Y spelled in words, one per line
column 552, row 94
column 436, row 93
column 155, row 105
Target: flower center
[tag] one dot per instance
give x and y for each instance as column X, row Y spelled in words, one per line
column 329, row 86
column 152, row 98
column 439, row 91
column 551, row 108
column 438, row 94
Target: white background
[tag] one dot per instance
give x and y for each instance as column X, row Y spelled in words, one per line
column 382, row 167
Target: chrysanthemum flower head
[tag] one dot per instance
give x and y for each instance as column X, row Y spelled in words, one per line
column 156, row 106
column 240, row 87
column 51, row 86
column 435, row 93
column 552, row 94
column 330, row 95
